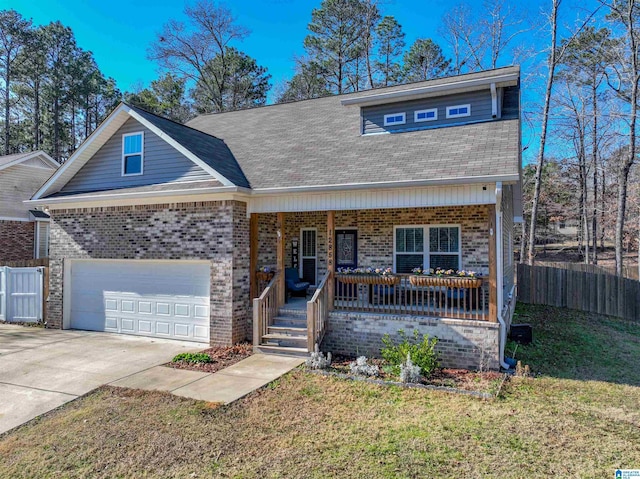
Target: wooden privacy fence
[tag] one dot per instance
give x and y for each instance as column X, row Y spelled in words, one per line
column 630, row 272
column 581, row 290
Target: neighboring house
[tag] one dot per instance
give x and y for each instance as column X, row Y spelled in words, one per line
column 159, row 228
column 24, row 234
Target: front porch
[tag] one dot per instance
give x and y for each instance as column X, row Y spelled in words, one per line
column 316, row 244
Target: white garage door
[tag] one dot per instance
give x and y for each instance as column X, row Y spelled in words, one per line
column 167, row 299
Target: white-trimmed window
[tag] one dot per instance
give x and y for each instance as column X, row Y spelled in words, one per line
column 42, row 239
column 425, row 115
column 395, row 119
column 458, row 111
column 133, row 154
column 437, row 246
column 309, row 258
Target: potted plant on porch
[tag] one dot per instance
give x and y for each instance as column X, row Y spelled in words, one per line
column 441, row 277
column 265, row 274
column 367, row 276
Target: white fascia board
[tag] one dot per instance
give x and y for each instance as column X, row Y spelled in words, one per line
column 29, row 156
column 179, row 147
column 108, row 197
column 46, row 188
column 489, row 180
column 506, row 79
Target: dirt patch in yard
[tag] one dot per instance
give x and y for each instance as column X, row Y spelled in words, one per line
column 221, row 357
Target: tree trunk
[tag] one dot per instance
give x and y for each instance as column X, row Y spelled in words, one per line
column 36, row 113
column 623, row 176
column 594, row 154
column 7, row 98
column 543, row 133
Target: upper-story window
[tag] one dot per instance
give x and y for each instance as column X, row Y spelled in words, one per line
column 132, row 153
column 458, row 111
column 425, row 115
column 395, row 119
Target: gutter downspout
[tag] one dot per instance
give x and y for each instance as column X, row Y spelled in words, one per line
column 500, row 276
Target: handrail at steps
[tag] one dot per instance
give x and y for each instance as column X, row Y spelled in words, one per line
column 318, row 312
column 265, row 308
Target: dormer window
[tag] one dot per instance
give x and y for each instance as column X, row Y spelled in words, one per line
column 458, row 111
column 395, row 119
column 132, row 153
column 425, row 115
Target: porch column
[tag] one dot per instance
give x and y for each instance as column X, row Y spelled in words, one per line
column 253, row 254
column 493, row 265
column 331, row 267
column 280, row 225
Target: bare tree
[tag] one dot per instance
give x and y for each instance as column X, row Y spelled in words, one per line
column 191, row 49
column 625, row 13
column 556, row 53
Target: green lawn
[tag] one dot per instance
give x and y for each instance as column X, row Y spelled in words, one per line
column 580, row 417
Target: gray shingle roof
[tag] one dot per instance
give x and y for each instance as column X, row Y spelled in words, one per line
column 213, row 151
column 176, row 186
column 318, row 142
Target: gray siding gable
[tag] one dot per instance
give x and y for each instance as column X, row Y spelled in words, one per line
column 480, row 101
column 162, row 164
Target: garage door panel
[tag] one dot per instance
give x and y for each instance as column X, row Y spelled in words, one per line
column 168, row 299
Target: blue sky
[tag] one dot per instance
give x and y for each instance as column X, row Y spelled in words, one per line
column 118, row 32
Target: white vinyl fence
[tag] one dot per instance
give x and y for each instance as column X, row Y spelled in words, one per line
column 21, row 292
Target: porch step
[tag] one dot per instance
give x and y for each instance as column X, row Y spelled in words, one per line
column 298, row 313
column 296, row 321
column 291, row 351
column 286, row 340
column 289, row 330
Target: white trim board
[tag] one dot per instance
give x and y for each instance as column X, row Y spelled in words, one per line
column 28, row 156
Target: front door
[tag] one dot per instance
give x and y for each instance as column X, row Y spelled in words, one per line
column 346, row 249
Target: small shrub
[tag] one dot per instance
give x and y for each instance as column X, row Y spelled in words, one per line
column 422, row 352
column 317, row 360
column 361, row 367
column 192, row 358
column 409, row 372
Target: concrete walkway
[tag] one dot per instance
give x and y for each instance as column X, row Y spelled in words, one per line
column 41, row 369
column 224, row 386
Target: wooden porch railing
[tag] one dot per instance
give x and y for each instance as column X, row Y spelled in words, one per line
column 265, row 308
column 406, row 298
column 318, row 312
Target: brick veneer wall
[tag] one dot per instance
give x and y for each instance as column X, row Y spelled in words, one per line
column 375, row 233
column 16, row 240
column 214, row 231
column 461, row 343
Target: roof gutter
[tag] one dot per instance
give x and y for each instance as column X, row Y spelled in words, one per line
column 135, row 195
column 388, row 184
column 506, row 79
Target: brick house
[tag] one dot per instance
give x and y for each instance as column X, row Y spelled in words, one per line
column 24, row 234
column 160, row 229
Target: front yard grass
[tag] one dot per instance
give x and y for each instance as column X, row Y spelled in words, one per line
column 569, row 421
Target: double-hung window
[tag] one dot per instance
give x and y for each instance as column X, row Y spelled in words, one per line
column 427, row 247
column 132, row 153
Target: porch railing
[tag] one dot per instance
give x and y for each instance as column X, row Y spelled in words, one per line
column 406, row 298
column 265, row 308
column 318, row 312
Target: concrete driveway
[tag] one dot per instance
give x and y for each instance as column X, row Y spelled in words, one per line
column 40, row 369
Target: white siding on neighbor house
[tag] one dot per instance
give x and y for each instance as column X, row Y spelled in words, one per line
column 162, row 164
column 370, row 199
column 17, row 184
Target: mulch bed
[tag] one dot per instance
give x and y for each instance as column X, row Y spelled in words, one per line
column 443, row 377
column 221, row 357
